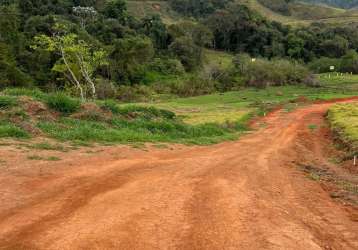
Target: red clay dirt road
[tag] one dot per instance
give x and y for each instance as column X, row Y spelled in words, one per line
column 247, row 194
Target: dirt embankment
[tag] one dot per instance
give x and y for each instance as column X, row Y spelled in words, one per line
column 248, row 194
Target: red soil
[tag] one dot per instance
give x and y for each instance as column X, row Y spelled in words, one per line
column 247, row 194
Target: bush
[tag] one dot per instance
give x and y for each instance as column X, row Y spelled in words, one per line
column 263, row 73
column 349, row 62
column 111, row 105
column 146, row 113
column 63, row 103
column 189, row 54
column 167, row 66
column 140, row 93
column 105, row 89
column 323, row 64
column 193, row 87
column 7, row 101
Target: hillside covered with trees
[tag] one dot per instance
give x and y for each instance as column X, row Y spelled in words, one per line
column 97, row 49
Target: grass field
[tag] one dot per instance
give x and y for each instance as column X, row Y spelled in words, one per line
column 344, row 121
column 237, row 105
column 141, row 9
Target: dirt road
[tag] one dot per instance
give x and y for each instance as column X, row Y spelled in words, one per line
column 247, row 194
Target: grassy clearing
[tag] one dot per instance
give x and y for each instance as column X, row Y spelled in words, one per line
column 345, row 82
column 142, row 9
column 220, row 58
column 344, row 121
column 233, row 106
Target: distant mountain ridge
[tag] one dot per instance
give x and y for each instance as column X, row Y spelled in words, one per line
column 347, row 4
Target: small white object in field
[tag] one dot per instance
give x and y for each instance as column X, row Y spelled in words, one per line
column 253, row 59
column 331, row 67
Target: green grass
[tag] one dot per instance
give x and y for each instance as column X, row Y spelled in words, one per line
column 141, row 130
column 233, row 106
column 312, row 127
column 8, row 130
column 40, row 158
column 218, row 58
column 48, row 146
column 341, row 81
column 142, row 9
column 34, row 93
column 62, row 103
column 7, row 102
column 344, row 121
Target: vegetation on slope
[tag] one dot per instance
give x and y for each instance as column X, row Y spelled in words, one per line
column 26, row 113
column 338, row 3
column 344, row 121
column 298, row 13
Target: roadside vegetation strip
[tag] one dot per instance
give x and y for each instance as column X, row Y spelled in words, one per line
column 200, row 120
column 64, row 118
column 344, row 122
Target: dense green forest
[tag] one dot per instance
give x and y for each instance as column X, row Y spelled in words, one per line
column 97, row 49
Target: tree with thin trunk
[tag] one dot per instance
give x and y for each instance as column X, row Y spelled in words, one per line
column 78, row 60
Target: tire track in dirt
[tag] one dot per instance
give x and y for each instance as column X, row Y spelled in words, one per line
column 235, row 195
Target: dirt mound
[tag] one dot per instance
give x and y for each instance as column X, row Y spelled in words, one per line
column 36, row 110
column 91, row 111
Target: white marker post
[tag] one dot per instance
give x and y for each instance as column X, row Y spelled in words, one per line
column 354, row 160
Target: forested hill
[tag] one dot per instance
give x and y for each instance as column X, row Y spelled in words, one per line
column 337, row 3
column 66, row 44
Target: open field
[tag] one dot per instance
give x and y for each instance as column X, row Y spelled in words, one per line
column 240, row 104
column 142, row 9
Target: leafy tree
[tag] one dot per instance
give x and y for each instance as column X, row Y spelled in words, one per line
column 187, row 52
column 127, row 57
column 199, row 33
column 10, row 74
column 336, row 47
column 116, row 9
column 9, row 27
column 349, row 62
column 85, row 14
column 154, row 28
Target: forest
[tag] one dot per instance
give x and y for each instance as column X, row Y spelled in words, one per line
column 97, row 49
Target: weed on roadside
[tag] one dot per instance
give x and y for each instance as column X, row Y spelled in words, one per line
column 48, row 146
column 40, row 158
column 312, row 127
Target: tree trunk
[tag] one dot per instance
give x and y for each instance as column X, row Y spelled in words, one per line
column 77, row 83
